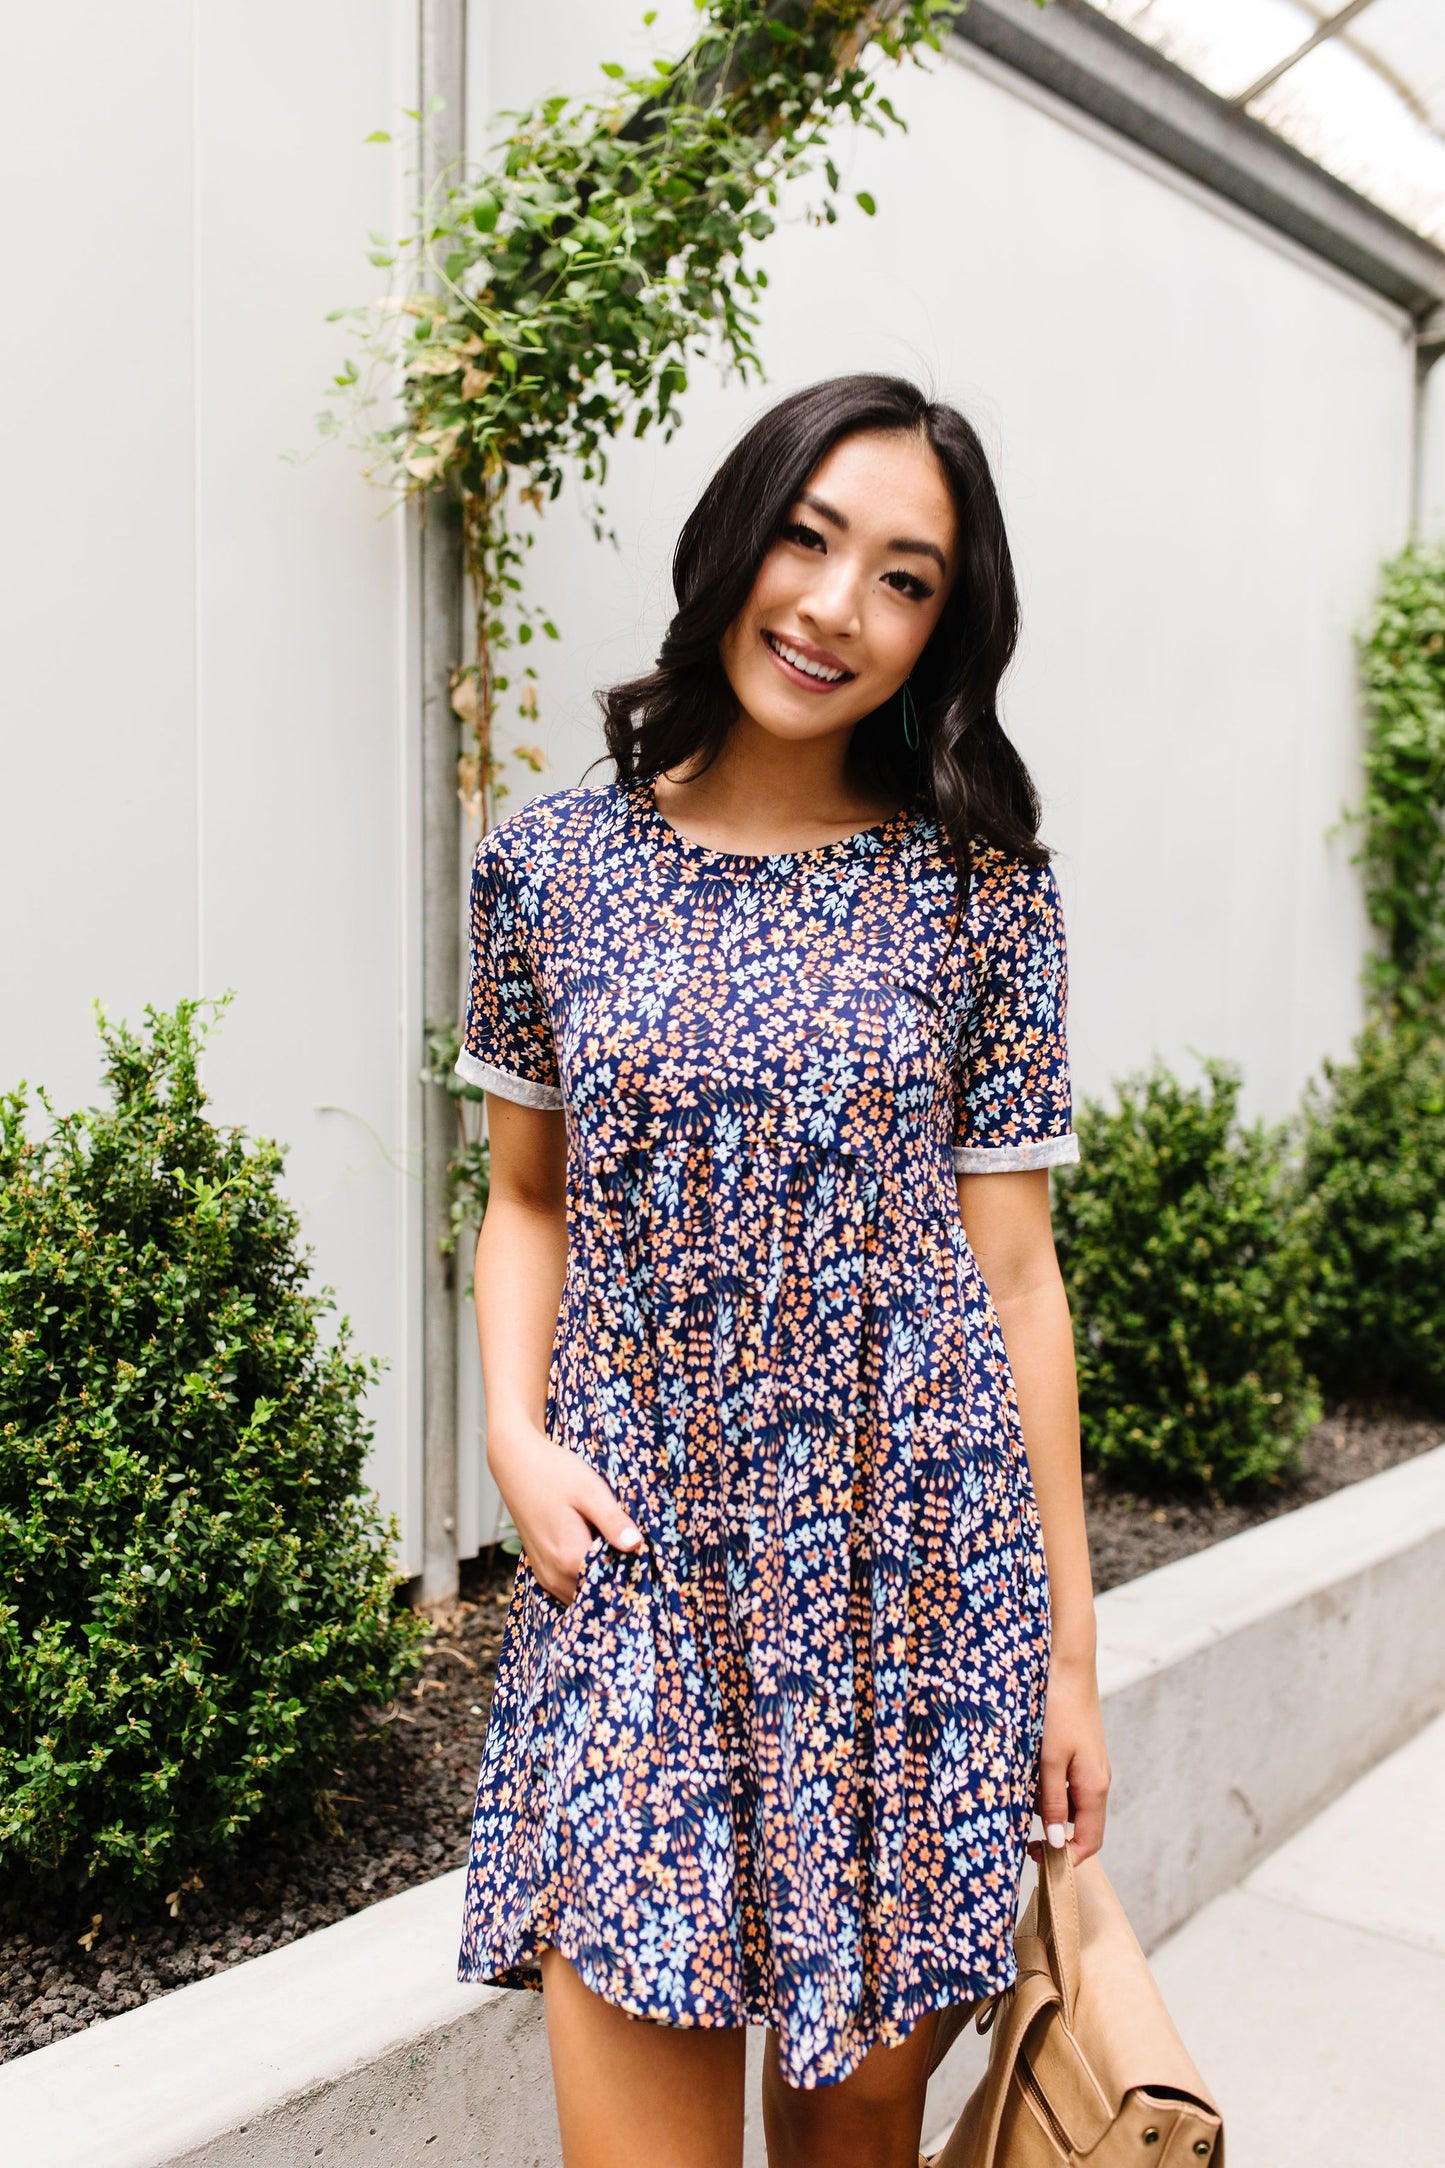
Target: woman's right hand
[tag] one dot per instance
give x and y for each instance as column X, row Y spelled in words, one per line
column 557, row 1501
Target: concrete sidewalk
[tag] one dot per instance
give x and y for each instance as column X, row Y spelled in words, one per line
column 1312, row 1995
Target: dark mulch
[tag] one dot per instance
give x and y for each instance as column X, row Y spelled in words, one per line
column 408, row 1818
column 1129, row 1536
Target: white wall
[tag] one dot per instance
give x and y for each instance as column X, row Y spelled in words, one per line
column 207, row 670
column 203, row 673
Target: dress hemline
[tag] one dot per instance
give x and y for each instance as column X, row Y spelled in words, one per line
column 954, row 1994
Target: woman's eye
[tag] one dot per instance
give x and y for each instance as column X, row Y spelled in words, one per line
column 808, row 538
column 908, row 583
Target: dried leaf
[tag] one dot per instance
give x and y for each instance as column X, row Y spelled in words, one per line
column 442, row 441
column 433, row 361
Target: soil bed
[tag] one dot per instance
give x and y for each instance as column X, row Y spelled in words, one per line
column 1129, row 1536
column 408, row 1818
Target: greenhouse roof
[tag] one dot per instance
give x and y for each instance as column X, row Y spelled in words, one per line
column 1281, row 107
column 1359, row 88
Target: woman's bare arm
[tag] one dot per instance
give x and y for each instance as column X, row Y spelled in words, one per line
column 1006, row 1218
column 555, row 1499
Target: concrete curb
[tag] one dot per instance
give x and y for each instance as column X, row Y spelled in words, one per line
column 296, row 2054
column 1247, row 1686
column 1244, row 1689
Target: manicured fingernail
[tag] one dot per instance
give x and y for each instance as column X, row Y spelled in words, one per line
column 630, row 1537
column 1056, row 1834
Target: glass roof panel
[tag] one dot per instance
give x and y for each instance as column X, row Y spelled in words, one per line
column 1405, row 41
column 1226, row 44
column 1366, row 102
column 1346, row 116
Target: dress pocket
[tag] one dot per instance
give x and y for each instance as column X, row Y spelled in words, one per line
column 557, row 1627
column 586, row 1575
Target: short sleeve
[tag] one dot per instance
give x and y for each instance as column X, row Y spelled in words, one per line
column 507, row 1045
column 1012, row 1094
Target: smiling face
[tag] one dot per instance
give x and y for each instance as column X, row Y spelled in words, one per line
column 846, row 598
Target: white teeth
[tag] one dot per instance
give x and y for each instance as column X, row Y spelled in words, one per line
column 800, row 662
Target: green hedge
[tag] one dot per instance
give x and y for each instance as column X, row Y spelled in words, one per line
column 1402, row 817
column 1182, row 1248
column 196, row 1594
column 1374, row 1179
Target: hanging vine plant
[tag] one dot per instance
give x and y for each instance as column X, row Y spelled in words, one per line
column 553, row 296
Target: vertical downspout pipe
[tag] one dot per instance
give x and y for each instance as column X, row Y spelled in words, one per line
column 442, row 72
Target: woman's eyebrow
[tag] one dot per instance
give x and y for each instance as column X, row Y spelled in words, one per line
column 899, row 542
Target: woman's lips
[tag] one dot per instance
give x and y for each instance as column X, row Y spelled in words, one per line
column 810, row 660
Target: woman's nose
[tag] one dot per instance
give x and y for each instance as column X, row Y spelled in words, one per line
column 832, row 602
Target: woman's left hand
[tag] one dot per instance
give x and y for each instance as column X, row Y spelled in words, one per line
column 1074, row 1770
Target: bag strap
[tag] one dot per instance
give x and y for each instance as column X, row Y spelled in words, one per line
column 1033, row 1992
column 1058, row 1923
column 1049, row 1966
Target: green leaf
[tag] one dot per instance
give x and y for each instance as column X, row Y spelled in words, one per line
column 865, row 202
column 378, row 135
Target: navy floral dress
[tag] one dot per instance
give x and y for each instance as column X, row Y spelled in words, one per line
column 777, row 1766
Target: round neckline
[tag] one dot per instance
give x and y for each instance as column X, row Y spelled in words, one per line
column 640, row 790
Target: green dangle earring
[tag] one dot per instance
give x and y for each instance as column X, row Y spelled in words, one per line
column 910, row 718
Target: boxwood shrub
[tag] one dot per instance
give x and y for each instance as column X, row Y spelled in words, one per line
column 1183, row 1250
column 197, row 1594
column 1374, row 1176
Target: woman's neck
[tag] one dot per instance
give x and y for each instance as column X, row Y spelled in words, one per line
column 764, row 794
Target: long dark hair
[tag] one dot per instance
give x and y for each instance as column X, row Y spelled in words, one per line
column 965, row 772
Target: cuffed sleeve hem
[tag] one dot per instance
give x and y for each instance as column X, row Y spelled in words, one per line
column 505, row 1084
column 1012, row 1158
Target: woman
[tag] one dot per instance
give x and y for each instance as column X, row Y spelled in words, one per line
column 778, row 1363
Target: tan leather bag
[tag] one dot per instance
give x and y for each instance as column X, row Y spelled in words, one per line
column 1084, row 2062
